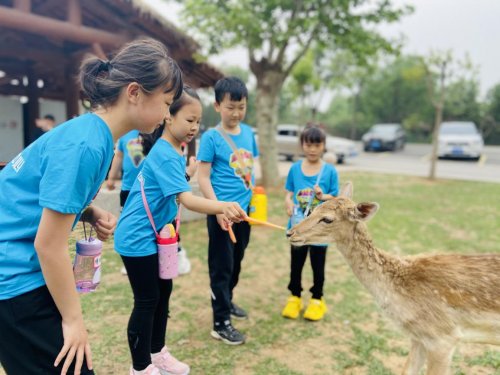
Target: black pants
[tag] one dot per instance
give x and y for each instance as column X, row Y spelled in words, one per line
column 148, row 322
column 31, row 335
column 298, row 258
column 224, row 264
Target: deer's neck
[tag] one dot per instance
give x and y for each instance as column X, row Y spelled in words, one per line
column 374, row 268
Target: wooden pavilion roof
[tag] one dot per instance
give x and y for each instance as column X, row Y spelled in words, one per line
column 47, row 39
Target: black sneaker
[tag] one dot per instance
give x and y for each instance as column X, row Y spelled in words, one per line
column 238, row 313
column 228, row 334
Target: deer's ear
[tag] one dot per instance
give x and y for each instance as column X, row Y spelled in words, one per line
column 366, row 210
column 346, row 190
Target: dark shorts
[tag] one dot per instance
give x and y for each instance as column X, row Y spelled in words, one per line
column 31, row 335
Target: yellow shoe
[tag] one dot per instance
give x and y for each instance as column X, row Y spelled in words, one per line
column 316, row 309
column 292, row 308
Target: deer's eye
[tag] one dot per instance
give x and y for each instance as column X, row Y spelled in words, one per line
column 326, row 220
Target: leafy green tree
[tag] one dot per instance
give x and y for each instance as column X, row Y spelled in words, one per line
column 462, row 102
column 490, row 125
column 398, row 93
column 277, row 34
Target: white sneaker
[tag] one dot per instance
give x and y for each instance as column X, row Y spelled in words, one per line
column 184, row 265
column 123, row 271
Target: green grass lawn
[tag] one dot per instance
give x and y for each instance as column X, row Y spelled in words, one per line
column 416, row 216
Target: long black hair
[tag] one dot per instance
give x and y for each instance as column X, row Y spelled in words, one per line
column 145, row 61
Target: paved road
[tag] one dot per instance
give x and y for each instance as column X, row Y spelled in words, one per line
column 414, row 160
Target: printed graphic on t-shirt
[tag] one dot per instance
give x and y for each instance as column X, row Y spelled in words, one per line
column 134, row 148
column 304, row 195
column 245, row 173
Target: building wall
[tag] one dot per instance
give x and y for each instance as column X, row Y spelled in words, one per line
column 11, row 123
column 54, row 108
column 11, row 128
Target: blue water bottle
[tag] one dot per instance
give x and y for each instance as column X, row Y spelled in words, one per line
column 297, row 215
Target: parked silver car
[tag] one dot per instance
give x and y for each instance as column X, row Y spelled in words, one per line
column 382, row 137
column 288, row 143
column 460, row 139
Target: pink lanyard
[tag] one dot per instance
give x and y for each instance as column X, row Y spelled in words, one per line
column 150, row 216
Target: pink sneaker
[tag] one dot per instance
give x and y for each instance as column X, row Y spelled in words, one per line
column 168, row 364
column 150, row 370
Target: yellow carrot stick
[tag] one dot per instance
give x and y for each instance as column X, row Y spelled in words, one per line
column 270, row 225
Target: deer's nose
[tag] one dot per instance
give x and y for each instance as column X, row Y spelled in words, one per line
column 289, row 233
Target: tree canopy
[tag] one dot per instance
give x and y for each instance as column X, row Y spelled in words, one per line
column 277, row 34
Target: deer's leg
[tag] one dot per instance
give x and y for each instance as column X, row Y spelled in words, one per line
column 439, row 359
column 416, row 358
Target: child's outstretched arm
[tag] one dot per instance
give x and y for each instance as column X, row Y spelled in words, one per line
column 231, row 210
column 51, row 245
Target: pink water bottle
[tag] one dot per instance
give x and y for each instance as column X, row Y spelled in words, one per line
column 87, row 265
column 167, row 252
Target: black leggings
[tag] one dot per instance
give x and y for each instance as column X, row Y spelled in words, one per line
column 148, row 322
column 298, row 258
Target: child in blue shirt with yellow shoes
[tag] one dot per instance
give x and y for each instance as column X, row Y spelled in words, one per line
column 310, row 182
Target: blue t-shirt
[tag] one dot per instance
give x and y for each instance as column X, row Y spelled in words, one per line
column 164, row 174
column 302, row 186
column 63, row 171
column 131, row 146
column 226, row 175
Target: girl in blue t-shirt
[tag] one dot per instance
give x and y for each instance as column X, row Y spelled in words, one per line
column 49, row 186
column 310, row 182
column 164, row 182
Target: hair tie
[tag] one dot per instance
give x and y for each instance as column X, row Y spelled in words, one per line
column 105, row 66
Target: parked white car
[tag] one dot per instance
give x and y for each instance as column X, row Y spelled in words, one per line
column 288, row 144
column 460, row 139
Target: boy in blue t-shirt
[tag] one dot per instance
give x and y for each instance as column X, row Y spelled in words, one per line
column 227, row 155
column 310, row 182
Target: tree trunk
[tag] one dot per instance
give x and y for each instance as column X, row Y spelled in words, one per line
column 435, row 136
column 269, row 84
column 355, row 109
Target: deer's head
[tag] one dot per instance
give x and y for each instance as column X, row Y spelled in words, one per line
column 333, row 221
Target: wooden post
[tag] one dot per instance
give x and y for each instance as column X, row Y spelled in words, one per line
column 74, row 12
column 191, row 146
column 98, row 51
column 11, row 18
column 23, row 5
column 31, row 132
column 72, row 97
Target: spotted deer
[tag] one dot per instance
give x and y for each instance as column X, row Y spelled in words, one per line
column 439, row 300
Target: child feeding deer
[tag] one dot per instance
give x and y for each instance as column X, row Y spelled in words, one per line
column 439, row 300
